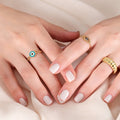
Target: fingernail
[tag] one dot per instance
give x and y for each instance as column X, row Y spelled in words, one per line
column 59, row 99
column 54, row 68
column 64, row 94
column 78, row 97
column 22, row 102
column 70, row 76
column 47, row 100
column 108, row 98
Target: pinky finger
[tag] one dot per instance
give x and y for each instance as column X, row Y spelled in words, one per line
column 10, row 82
column 113, row 91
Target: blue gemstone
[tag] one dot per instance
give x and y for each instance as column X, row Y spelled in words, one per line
column 32, row 53
column 86, row 38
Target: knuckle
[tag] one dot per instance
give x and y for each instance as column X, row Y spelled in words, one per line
column 34, row 28
column 113, row 40
column 18, row 39
column 99, row 27
column 116, row 38
column 16, row 35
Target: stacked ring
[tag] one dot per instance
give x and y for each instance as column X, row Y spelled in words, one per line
column 33, row 54
column 85, row 38
column 111, row 63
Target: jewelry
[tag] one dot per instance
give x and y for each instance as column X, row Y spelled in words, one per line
column 111, row 63
column 85, row 38
column 33, row 53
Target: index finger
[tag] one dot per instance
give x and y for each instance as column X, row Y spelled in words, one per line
column 70, row 54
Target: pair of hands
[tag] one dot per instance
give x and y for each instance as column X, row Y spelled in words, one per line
column 22, row 33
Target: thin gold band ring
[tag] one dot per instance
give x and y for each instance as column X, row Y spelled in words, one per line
column 85, row 38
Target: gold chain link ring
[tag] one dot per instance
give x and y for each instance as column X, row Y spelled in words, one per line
column 111, row 63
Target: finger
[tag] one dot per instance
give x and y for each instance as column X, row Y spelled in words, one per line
column 11, row 83
column 31, row 78
column 59, row 33
column 40, row 63
column 90, row 62
column 96, row 79
column 99, row 75
column 113, row 91
column 51, row 49
column 71, row 53
column 84, row 69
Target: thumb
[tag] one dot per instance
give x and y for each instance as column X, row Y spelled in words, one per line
column 60, row 33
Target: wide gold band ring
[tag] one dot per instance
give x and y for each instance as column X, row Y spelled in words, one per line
column 111, row 63
column 33, row 54
column 85, row 38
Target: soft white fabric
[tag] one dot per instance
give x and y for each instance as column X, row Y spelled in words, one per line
column 72, row 15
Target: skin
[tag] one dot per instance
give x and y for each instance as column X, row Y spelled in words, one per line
column 20, row 34
column 91, row 71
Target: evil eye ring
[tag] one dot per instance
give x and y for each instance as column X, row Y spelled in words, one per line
column 33, row 54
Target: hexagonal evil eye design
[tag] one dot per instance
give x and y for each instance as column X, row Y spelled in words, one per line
column 32, row 54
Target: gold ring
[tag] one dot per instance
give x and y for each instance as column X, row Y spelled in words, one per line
column 33, row 54
column 85, row 38
column 111, row 63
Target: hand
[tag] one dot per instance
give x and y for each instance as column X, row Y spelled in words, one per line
column 20, row 34
column 91, row 71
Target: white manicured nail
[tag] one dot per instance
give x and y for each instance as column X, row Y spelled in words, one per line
column 78, row 97
column 108, row 98
column 54, row 68
column 59, row 99
column 70, row 76
column 47, row 100
column 64, row 94
column 22, row 101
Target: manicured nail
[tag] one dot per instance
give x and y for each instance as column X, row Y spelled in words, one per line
column 54, row 68
column 64, row 94
column 59, row 99
column 47, row 100
column 22, row 102
column 108, row 98
column 78, row 97
column 70, row 76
